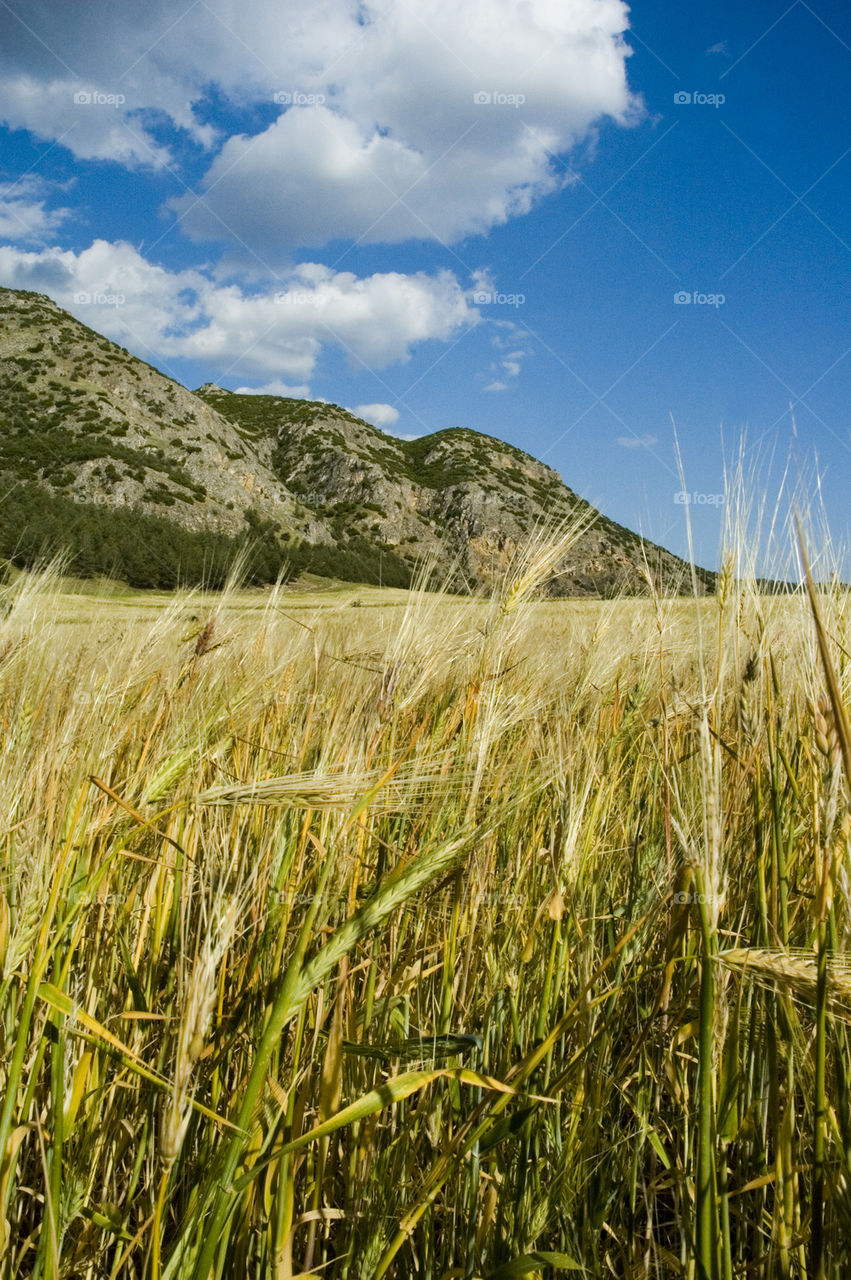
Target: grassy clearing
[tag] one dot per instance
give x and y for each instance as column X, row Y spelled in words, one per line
column 452, row 938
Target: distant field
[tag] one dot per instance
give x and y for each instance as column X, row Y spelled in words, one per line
column 86, row 601
column 358, row 933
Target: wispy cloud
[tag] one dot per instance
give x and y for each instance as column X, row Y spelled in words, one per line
column 510, row 341
column 276, row 388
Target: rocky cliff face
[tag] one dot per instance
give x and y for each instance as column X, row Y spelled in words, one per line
column 90, row 422
column 466, row 498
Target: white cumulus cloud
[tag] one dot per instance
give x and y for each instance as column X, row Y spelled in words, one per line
column 277, row 334
column 440, row 121
column 24, row 215
column 397, row 119
column 380, row 415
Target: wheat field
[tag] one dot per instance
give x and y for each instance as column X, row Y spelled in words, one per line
column 368, row 934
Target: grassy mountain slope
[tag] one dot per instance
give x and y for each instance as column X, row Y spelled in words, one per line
column 466, row 498
column 90, row 421
column 141, row 477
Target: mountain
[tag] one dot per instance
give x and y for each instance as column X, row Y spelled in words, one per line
column 141, row 477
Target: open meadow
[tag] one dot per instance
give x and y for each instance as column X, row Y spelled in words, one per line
column 370, row 933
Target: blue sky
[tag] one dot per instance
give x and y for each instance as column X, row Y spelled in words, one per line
column 478, row 213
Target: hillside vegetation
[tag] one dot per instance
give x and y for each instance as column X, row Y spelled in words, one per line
column 131, row 474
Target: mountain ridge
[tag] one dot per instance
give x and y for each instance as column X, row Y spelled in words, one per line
column 90, row 433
